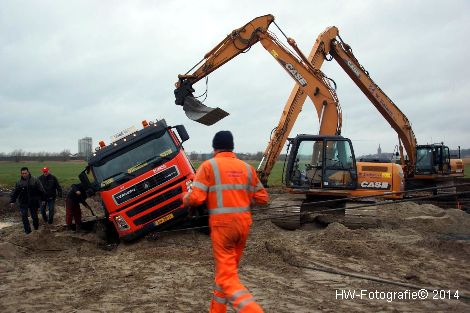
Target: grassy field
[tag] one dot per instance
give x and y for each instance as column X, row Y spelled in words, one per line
column 67, row 172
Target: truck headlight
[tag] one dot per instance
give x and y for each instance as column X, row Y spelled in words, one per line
column 189, row 184
column 121, row 222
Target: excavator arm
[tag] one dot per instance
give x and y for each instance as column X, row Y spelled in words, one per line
column 309, row 81
column 238, row 41
column 294, row 103
column 329, row 45
column 343, row 54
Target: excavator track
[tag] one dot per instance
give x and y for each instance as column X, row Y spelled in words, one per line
column 286, row 211
column 291, row 211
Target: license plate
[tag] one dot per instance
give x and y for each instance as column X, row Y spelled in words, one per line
column 164, row 219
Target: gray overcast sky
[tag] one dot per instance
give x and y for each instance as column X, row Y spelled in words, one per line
column 70, row 69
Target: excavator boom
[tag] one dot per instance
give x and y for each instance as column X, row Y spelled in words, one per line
column 294, row 103
column 238, row 41
column 309, row 80
column 329, row 45
column 342, row 53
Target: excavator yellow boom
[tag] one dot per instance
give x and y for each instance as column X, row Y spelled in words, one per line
column 329, row 45
column 311, row 82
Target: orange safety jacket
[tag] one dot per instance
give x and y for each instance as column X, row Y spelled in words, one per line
column 228, row 186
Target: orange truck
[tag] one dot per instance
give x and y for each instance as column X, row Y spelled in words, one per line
column 141, row 177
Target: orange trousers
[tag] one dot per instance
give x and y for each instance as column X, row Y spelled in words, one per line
column 228, row 241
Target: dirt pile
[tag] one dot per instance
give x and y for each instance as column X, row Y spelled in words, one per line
column 426, row 218
column 57, row 270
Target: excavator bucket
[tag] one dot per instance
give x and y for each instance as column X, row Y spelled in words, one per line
column 201, row 113
column 194, row 108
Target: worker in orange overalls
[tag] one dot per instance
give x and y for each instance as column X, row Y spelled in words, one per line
column 228, row 187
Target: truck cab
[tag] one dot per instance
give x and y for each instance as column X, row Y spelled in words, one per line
column 141, row 177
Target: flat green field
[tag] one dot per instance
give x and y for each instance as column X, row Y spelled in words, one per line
column 67, row 172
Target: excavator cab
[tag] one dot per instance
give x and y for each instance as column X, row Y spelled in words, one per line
column 432, row 159
column 321, row 162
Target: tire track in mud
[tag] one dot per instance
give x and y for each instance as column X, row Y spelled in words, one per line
column 175, row 272
column 306, row 290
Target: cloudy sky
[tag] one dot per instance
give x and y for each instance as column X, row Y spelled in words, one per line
column 70, row 69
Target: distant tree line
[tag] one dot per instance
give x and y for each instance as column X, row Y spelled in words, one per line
column 454, row 154
column 21, row 155
column 65, row 155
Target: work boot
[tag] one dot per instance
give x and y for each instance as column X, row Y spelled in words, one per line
column 79, row 229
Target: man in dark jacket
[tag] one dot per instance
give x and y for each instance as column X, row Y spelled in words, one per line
column 53, row 189
column 76, row 195
column 29, row 193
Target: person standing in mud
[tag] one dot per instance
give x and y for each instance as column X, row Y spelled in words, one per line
column 76, row 195
column 53, row 189
column 228, row 186
column 29, row 193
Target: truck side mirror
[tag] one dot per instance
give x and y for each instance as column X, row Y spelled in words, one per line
column 84, row 179
column 182, row 133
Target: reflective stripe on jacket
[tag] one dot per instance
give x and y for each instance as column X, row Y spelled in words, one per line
column 228, row 186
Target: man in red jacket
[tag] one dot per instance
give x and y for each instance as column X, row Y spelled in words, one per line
column 228, row 187
column 76, row 195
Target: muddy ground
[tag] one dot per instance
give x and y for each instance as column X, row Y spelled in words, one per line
column 54, row 270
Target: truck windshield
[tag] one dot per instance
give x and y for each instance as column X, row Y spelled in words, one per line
column 131, row 161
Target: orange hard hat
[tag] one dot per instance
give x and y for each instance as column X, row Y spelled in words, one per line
column 45, row 170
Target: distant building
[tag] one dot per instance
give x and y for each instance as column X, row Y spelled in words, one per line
column 85, row 147
column 379, row 151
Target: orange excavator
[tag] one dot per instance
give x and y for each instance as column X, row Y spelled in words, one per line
column 321, row 165
column 425, row 164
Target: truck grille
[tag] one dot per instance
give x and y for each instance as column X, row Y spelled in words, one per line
column 158, row 212
column 145, row 185
column 155, row 201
